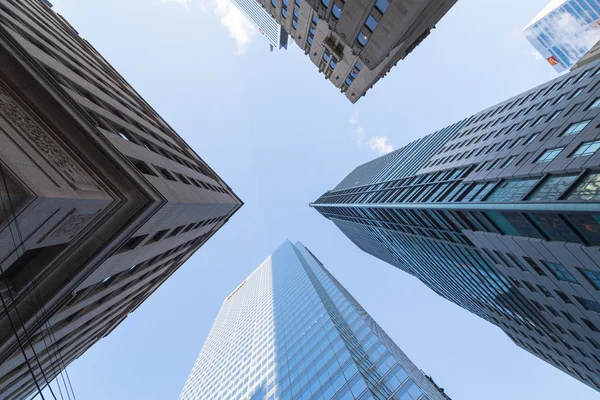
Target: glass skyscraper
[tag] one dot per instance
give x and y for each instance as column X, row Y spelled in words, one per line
column 564, row 31
column 265, row 23
column 500, row 214
column 291, row 331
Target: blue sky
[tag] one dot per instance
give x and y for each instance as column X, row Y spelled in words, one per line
column 281, row 135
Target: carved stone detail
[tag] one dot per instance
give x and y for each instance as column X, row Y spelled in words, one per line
column 45, row 144
column 71, row 226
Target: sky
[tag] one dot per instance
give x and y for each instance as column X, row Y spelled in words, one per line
column 281, row 135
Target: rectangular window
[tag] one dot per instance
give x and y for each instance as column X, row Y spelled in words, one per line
column 538, row 120
column 549, row 155
column 595, row 104
column 575, row 128
column 531, row 139
column 508, row 161
column 554, row 115
column 552, row 188
column 589, row 304
column 512, row 190
column 593, row 277
column 588, row 189
column 586, row 149
column 560, row 272
column 577, row 93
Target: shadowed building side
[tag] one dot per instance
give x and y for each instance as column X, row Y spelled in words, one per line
column 500, row 214
column 355, row 44
column 101, row 200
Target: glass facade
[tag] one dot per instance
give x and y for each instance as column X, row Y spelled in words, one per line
column 291, row 331
column 500, row 214
column 565, row 31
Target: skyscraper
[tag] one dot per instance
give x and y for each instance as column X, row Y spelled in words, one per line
column 499, row 213
column 264, row 22
column 564, row 31
column 354, row 44
column 101, row 200
column 290, row 330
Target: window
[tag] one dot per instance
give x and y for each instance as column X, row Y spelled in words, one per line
column 362, row 38
column 530, row 139
column 326, row 55
column 336, row 11
column 560, row 272
column 554, row 115
column 298, row 2
column 576, row 128
column 560, row 98
column 586, row 149
column 274, row 3
column 512, row 190
column 588, row 189
column 382, row 5
column 538, row 120
column 589, row 304
column 563, row 297
column 508, row 161
column 315, row 19
column 553, row 187
column 371, row 23
column 333, row 63
column 577, row 93
column 593, row 277
column 325, row 3
column 595, row 104
column 549, row 155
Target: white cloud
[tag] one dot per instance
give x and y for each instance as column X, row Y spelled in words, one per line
column 184, row 3
column 354, row 118
column 240, row 29
column 537, row 55
column 571, row 33
column 380, row 144
column 376, row 143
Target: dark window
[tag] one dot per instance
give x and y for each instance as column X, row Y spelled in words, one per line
column 142, row 167
column 593, row 277
column 560, row 272
column 563, row 296
column 589, row 305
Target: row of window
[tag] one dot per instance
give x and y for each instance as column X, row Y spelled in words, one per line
column 557, row 86
column 571, row 130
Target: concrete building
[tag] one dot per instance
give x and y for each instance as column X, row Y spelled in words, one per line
column 291, row 331
column 355, row 44
column 264, row 22
column 101, row 200
column 500, row 214
column 564, row 31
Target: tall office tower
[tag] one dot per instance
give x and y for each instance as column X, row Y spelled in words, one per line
column 564, row 31
column 499, row 213
column 291, row 331
column 264, row 22
column 101, row 200
column 356, row 43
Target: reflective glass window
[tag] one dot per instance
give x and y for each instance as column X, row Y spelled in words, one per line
column 593, row 277
column 586, row 149
column 371, row 23
column 576, row 128
column 560, row 272
column 549, row 155
column 513, row 190
column 588, row 189
column 552, row 187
